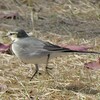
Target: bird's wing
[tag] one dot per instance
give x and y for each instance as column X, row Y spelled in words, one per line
column 51, row 47
column 36, row 44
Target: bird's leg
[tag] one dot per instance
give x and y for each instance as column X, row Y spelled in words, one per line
column 48, row 57
column 36, row 70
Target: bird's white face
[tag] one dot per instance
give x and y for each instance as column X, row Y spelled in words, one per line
column 16, row 35
column 12, row 35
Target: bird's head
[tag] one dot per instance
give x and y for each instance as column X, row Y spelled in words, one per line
column 17, row 34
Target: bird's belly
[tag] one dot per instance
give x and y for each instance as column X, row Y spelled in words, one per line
column 34, row 60
column 37, row 59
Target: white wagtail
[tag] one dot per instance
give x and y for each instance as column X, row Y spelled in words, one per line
column 35, row 51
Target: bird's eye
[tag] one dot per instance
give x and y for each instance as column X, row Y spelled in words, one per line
column 11, row 33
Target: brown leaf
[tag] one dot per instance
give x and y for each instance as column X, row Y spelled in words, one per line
column 5, row 48
column 9, row 15
column 77, row 47
column 94, row 65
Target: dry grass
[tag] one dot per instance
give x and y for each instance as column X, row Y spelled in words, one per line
column 70, row 80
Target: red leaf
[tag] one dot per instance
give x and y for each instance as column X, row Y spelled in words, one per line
column 94, row 65
column 77, row 47
column 9, row 15
column 5, row 48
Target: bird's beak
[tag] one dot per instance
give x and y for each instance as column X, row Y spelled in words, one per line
column 5, row 36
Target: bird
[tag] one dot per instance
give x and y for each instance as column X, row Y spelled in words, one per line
column 31, row 50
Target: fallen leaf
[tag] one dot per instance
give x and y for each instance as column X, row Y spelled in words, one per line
column 94, row 65
column 77, row 47
column 9, row 15
column 4, row 48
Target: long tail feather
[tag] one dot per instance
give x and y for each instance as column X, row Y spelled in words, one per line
column 76, row 51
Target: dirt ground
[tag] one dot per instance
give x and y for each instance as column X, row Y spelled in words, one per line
column 60, row 22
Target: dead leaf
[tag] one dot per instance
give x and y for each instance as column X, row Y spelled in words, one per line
column 94, row 65
column 77, row 47
column 9, row 15
column 4, row 48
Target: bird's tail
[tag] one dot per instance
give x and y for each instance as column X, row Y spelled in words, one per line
column 55, row 48
column 76, row 51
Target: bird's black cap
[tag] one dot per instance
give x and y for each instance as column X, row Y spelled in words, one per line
column 21, row 33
